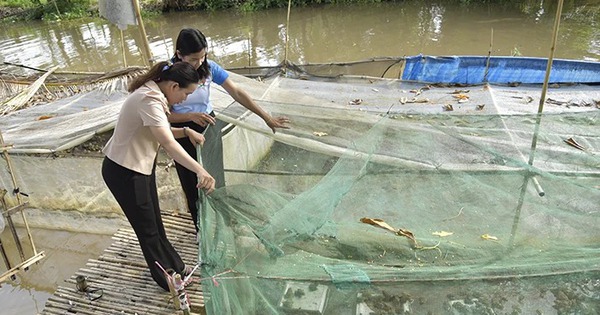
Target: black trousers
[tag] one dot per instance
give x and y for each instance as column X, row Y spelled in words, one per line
column 212, row 158
column 137, row 195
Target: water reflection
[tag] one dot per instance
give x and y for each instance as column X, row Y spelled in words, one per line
column 435, row 27
column 22, row 300
column 316, row 34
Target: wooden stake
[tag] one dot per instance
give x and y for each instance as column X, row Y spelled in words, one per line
column 138, row 15
column 545, row 85
column 544, row 91
column 11, row 225
column 4, row 256
column 123, row 48
column 287, row 36
column 487, row 63
column 19, row 201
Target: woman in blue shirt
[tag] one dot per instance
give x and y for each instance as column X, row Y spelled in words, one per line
column 197, row 113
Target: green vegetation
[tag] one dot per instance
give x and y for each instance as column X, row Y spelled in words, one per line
column 69, row 9
column 47, row 10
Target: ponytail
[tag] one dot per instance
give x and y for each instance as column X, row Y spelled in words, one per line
column 181, row 72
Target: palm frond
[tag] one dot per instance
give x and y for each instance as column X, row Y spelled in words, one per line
column 23, row 97
column 58, row 85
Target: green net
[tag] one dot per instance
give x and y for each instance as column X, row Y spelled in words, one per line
column 377, row 209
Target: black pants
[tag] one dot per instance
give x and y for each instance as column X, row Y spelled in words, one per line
column 137, row 195
column 212, row 158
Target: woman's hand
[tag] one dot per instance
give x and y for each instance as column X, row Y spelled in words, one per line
column 164, row 136
column 205, row 181
column 278, row 122
column 202, row 119
column 195, row 137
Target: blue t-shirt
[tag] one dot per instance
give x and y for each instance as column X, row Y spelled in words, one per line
column 199, row 100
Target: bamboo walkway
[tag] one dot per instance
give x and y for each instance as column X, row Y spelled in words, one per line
column 122, row 275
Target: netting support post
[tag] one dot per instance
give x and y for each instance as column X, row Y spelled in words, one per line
column 543, row 97
column 25, row 262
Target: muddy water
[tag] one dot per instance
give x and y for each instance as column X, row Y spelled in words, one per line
column 315, row 35
column 65, row 252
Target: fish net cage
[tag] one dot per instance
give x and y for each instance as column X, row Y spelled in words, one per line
column 394, row 191
column 395, row 197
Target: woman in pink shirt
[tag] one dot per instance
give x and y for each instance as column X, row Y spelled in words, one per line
column 129, row 166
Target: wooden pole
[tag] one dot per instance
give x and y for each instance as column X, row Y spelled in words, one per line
column 4, row 256
column 287, row 36
column 534, row 179
column 123, row 48
column 546, row 80
column 487, row 63
column 11, row 225
column 249, row 49
column 138, row 15
column 17, row 193
column 544, row 91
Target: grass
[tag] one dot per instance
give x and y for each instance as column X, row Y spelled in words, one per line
column 70, row 9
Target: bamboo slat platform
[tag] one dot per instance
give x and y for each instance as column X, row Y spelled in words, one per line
column 122, row 274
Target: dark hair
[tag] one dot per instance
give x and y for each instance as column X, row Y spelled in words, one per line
column 181, row 72
column 190, row 41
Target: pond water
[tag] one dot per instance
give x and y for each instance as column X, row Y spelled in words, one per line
column 315, row 34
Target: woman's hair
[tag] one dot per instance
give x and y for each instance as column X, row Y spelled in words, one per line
column 190, row 41
column 181, row 72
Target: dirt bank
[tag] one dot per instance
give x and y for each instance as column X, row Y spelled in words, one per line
column 8, row 12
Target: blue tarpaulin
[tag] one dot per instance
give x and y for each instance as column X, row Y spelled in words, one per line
column 501, row 70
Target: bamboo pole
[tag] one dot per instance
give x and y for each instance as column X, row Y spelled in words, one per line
column 249, row 49
column 489, row 56
column 88, row 73
column 287, row 36
column 546, row 80
column 123, row 48
column 11, row 225
column 535, row 182
column 544, row 91
column 17, row 193
column 5, row 256
column 138, row 15
column 22, row 266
